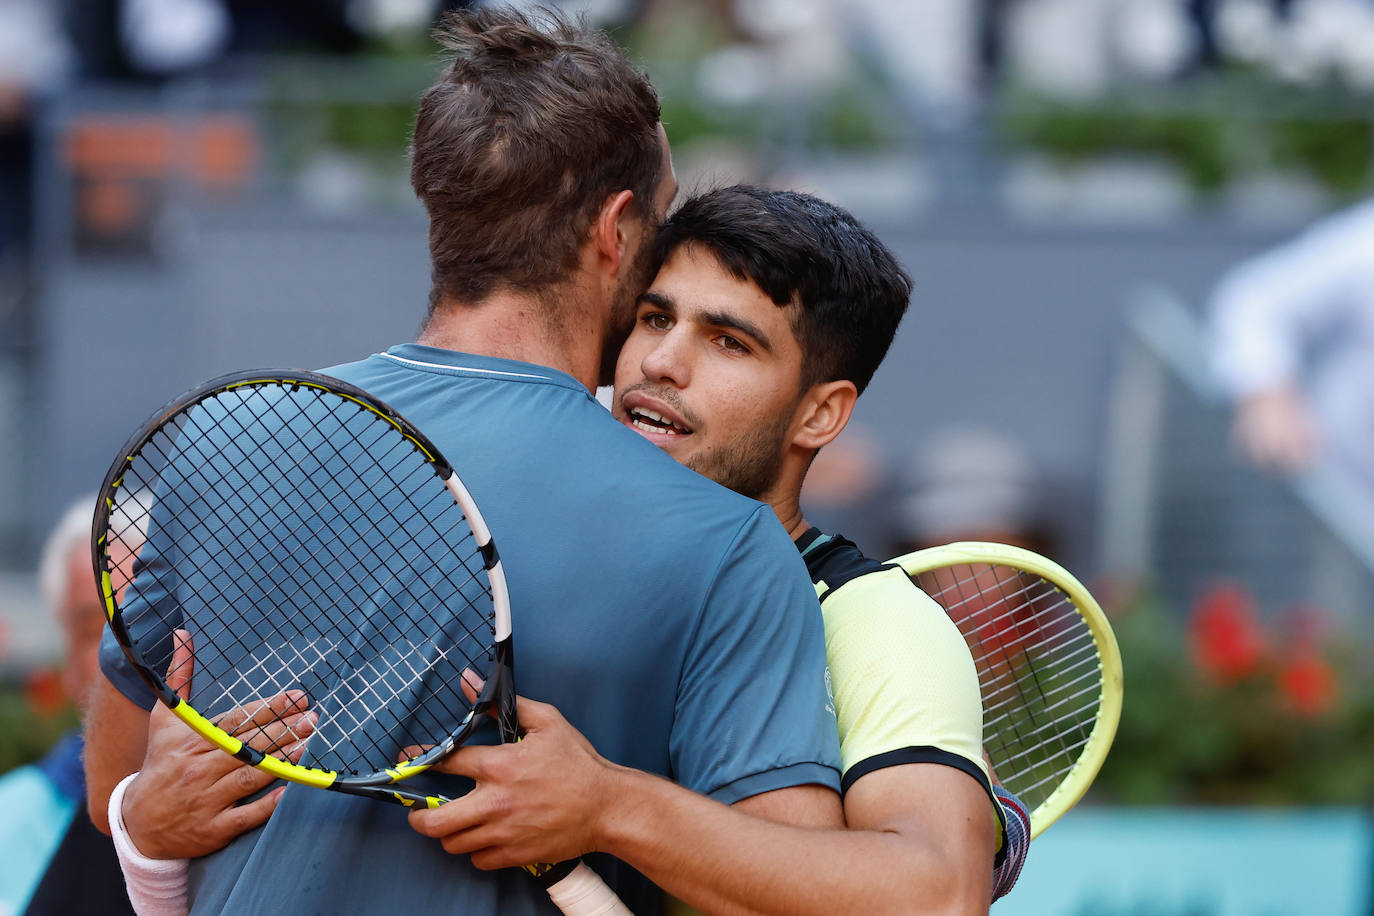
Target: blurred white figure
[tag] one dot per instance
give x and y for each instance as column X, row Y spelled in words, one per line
column 1061, row 47
column 170, row 36
column 388, row 18
column 1294, row 346
column 1152, row 38
column 973, row 484
column 35, row 57
column 930, row 46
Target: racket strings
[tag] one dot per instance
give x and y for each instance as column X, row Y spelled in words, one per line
column 1038, row 667
column 246, row 686
column 359, row 689
column 330, row 558
column 375, row 700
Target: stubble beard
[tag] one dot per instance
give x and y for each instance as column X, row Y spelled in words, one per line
column 750, row 465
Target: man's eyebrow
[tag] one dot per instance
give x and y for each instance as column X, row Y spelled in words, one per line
column 717, row 319
column 726, row 320
column 657, row 300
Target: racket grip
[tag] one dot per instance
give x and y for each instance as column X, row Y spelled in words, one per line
column 583, row 893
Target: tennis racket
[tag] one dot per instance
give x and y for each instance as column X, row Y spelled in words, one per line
column 310, row 538
column 1048, row 667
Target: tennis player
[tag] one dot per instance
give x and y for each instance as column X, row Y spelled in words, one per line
column 768, row 317
column 545, row 171
column 719, row 372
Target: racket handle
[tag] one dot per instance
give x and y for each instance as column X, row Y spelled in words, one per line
column 583, row 893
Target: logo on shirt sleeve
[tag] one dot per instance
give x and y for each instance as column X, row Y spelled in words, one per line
column 829, row 692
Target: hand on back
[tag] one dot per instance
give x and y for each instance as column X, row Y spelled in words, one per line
column 185, row 800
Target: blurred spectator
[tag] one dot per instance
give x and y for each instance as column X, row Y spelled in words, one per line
column 52, row 859
column 1294, row 346
column 153, row 40
column 34, row 64
column 171, row 36
column 973, row 484
column 1203, row 16
column 992, row 26
column 848, row 490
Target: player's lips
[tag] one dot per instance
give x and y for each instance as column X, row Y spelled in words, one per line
column 652, row 418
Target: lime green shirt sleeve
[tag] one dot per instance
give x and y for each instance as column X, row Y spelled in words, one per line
column 905, row 686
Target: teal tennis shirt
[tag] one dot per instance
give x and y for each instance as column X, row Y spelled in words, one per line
column 671, row 620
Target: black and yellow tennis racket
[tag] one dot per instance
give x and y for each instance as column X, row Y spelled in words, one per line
column 1048, row 667
column 310, row 538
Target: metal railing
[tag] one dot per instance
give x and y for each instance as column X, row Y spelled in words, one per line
column 1181, row 506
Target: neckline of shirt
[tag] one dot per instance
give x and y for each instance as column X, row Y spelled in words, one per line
column 435, row 359
column 811, row 539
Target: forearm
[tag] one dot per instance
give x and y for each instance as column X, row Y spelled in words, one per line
column 156, row 887
column 723, row 860
column 116, row 737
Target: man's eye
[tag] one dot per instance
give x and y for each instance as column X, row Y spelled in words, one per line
column 657, row 321
column 733, row 345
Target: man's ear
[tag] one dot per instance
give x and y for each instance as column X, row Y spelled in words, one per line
column 611, row 232
column 823, row 413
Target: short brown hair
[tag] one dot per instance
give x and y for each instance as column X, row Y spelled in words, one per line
column 538, row 119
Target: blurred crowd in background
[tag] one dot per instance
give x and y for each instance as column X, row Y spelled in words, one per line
column 1142, row 339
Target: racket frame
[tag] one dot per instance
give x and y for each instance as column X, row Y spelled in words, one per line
column 498, row 689
column 1076, row 782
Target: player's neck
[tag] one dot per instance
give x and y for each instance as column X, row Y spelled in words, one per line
column 784, row 496
column 785, row 500
column 545, row 329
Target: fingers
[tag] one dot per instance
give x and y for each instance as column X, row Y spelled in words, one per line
column 183, row 664
column 238, row 780
column 226, row 780
column 410, row 752
column 239, row 819
column 276, row 735
column 452, row 819
column 472, row 684
column 471, row 761
column 239, row 783
column 260, row 713
column 534, row 715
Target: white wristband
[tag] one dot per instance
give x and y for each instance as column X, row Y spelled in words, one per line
column 157, row 887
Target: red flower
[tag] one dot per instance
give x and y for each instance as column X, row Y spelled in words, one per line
column 1228, row 642
column 44, row 692
column 1307, row 681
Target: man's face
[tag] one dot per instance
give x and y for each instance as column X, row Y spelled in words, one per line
column 711, row 373
column 636, row 277
column 82, row 617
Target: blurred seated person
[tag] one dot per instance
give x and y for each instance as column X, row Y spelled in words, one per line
column 1293, row 346
column 35, row 59
column 52, row 859
column 972, row 484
